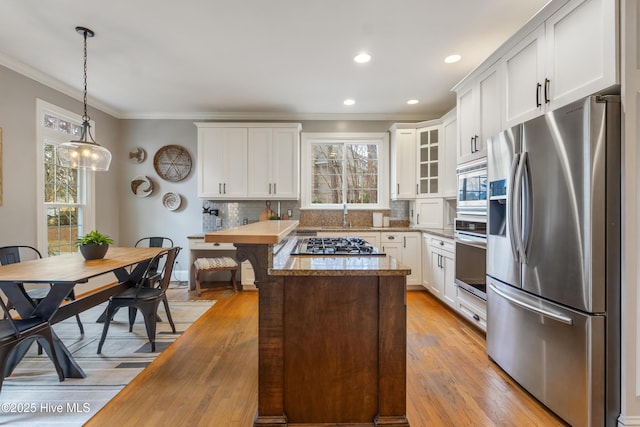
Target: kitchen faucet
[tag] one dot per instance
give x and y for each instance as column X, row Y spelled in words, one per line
column 344, row 215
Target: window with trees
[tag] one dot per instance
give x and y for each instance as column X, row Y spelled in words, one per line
column 67, row 205
column 343, row 169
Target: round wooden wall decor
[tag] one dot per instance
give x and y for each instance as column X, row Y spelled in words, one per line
column 172, row 163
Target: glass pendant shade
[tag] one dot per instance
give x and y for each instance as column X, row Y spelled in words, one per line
column 84, row 153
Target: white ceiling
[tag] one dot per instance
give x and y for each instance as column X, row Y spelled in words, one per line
column 258, row 58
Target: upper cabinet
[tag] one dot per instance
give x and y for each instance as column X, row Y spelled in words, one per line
column 222, row 162
column 241, row 161
column 448, row 186
column 567, row 51
column 479, row 115
column 572, row 54
column 423, row 159
column 274, row 163
column 430, row 157
column 403, row 161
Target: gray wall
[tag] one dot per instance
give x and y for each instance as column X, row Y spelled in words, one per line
column 119, row 212
column 18, row 123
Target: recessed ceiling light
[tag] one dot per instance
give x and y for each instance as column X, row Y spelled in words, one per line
column 452, row 58
column 349, row 102
column 412, row 101
column 362, row 58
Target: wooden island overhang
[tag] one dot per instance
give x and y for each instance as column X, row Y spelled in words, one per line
column 331, row 334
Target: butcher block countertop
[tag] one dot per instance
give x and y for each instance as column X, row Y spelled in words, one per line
column 258, row 233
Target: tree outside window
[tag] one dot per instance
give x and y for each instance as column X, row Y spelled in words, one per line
column 344, row 172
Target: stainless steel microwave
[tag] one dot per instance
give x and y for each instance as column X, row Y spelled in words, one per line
column 472, row 189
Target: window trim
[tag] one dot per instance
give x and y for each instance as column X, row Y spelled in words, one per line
column 379, row 138
column 43, row 134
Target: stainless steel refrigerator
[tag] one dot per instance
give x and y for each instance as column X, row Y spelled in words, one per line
column 553, row 258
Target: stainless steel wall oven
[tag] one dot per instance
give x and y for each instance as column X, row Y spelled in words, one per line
column 471, row 253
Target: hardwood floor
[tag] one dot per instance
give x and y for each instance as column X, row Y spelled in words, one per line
column 209, row 376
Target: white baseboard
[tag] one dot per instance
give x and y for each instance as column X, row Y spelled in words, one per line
column 628, row 421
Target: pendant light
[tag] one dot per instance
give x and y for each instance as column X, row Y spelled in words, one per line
column 84, row 153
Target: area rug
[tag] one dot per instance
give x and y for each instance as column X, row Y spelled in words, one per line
column 33, row 396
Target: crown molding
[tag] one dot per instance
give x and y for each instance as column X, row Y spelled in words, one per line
column 249, row 116
column 47, row 80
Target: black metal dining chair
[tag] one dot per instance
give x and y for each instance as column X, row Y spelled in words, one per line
column 15, row 332
column 144, row 298
column 154, row 276
column 18, row 253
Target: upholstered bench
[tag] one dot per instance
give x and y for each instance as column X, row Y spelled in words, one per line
column 204, row 265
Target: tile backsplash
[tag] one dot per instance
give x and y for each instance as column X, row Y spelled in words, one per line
column 233, row 214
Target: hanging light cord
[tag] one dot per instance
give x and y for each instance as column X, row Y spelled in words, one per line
column 85, row 116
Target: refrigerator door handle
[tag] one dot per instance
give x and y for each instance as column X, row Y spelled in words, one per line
column 528, row 209
column 516, row 210
column 512, row 205
column 546, row 313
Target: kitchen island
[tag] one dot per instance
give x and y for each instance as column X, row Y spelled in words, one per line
column 331, row 334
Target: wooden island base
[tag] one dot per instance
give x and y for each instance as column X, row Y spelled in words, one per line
column 332, row 332
column 332, row 350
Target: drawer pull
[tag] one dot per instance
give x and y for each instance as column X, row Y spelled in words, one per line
column 476, row 317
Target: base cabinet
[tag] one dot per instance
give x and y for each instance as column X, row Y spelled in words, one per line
column 442, row 265
column 472, row 307
column 407, row 249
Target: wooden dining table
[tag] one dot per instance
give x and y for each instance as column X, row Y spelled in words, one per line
column 63, row 272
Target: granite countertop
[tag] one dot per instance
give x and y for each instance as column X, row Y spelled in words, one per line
column 442, row 232
column 355, row 228
column 285, row 264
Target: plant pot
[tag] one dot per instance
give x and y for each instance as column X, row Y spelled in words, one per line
column 93, row 251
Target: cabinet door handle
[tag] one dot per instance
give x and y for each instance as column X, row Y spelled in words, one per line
column 417, row 218
column 475, row 144
column 274, row 188
column 538, row 87
column 224, row 188
column 404, row 241
column 269, row 188
column 546, row 91
column 398, row 192
column 219, row 188
column 417, row 189
column 471, row 142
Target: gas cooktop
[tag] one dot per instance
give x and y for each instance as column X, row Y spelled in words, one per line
column 335, row 246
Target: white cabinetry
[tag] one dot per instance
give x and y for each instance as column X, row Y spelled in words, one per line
column 427, row 213
column 479, row 115
column 430, row 160
column 471, row 307
column 448, row 185
column 571, row 55
column 442, row 264
column 239, row 161
column 423, row 159
column 403, row 161
column 222, row 164
column 273, row 163
column 407, row 249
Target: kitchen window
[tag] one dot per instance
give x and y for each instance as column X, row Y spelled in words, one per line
column 64, row 194
column 341, row 169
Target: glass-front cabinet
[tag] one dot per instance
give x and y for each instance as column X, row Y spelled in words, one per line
column 429, row 150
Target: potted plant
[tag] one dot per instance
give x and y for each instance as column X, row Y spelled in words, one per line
column 94, row 245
